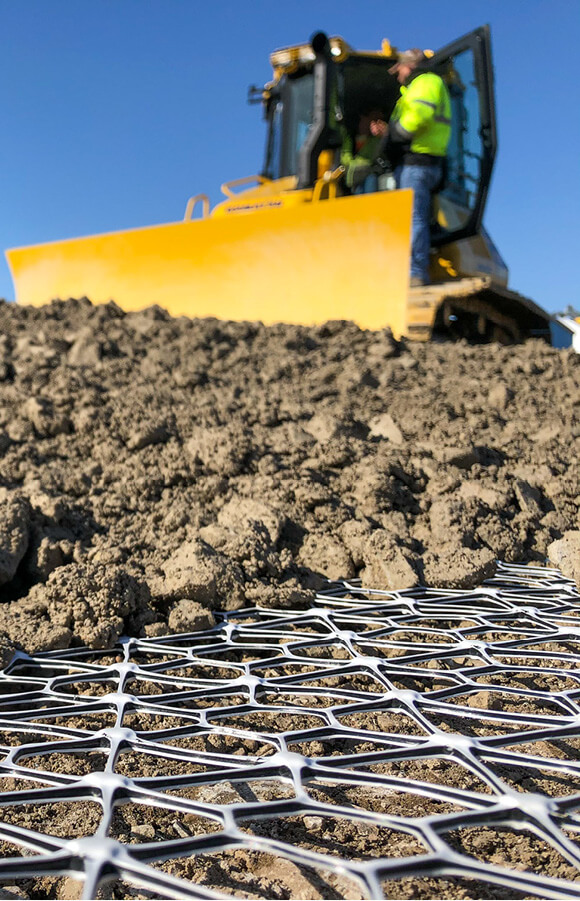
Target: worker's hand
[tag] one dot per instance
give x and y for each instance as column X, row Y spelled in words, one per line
column 378, row 128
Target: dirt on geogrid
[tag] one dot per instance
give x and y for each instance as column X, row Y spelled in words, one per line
column 154, row 469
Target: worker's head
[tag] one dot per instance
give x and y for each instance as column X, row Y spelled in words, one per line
column 407, row 62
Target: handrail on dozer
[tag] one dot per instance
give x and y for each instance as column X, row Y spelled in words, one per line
column 227, row 186
column 191, row 203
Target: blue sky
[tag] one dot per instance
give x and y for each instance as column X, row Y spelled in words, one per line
column 116, row 111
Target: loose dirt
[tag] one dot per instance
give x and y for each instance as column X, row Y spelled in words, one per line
column 153, row 470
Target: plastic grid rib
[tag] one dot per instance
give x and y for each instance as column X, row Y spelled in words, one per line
column 375, row 741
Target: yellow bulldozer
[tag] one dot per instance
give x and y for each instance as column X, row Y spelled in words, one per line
column 292, row 244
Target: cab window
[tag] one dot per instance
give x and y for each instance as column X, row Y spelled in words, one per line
column 465, row 151
column 290, row 116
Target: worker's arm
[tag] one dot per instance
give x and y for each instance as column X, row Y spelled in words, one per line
column 347, row 148
column 346, row 157
column 354, row 166
column 358, row 165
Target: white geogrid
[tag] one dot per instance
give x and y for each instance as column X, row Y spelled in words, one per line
column 302, row 718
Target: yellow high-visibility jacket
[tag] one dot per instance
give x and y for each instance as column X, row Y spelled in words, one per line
column 357, row 152
column 422, row 116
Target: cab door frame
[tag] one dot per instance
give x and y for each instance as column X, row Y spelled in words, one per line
column 479, row 42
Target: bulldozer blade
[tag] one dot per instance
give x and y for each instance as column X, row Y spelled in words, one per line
column 346, row 258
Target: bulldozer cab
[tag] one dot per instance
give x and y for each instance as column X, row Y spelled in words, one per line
column 320, row 91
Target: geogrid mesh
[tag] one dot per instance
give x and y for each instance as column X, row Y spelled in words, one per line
column 418, row 743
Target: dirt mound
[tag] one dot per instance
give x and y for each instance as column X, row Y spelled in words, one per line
column 154, row 469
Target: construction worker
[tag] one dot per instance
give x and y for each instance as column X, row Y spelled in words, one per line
column 416, row 139
column 358, row 153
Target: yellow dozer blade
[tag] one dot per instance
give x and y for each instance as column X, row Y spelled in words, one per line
column 346, row 258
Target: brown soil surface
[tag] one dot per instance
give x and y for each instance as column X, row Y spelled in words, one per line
column 154, row 469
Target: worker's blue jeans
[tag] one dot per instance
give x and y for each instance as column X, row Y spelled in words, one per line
column 422, row 179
